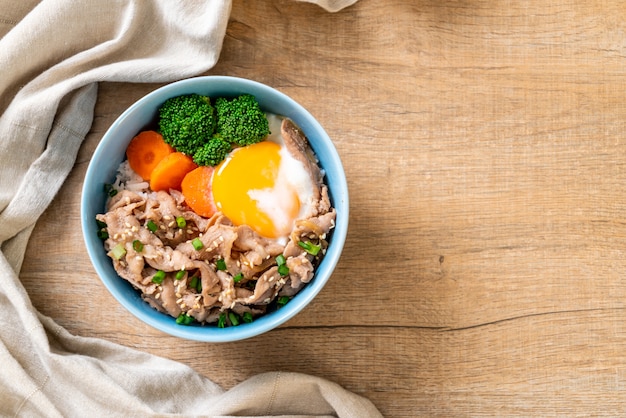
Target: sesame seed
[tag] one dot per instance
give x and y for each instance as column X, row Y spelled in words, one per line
column 157, row 296
column 134, row 229
column 167, row 217
column 162, row 227
column 179, row 301
column 178, row 294
column 171, row 224
column 183, row 306
column 127, row 225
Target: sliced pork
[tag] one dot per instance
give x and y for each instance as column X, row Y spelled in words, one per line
column 205, row 268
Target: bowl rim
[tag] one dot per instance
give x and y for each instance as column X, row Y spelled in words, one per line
column 265, row 323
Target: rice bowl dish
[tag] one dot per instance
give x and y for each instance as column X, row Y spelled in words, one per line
column 219, row 271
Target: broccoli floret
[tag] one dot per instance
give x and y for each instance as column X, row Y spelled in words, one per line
column 241, row 120
column 213, row 152
column 187, row 122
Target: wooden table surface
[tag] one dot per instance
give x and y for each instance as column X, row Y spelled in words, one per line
column 484, row 144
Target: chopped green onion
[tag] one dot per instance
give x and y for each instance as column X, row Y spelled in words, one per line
column 199, row 286
column 238, row 278
column 220, row 264
column 282, row 301
column 234, row 319
column 197, row 244
column 181, row 222
column 221, row 322
column 193, row 282
column 184, row 319
column 137, row 246
column 283, row 270
column 247, row 317
column 118, row 251
column 152, row 227
column 102, row 232
column 180, row 274
column 310, row 247
column 158, row 277
column 110, row 190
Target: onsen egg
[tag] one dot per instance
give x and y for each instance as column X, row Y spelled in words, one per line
column 263, row 186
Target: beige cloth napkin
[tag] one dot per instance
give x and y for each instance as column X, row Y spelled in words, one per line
column 52, row 55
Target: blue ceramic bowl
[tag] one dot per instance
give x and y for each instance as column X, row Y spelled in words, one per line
column 111, row 152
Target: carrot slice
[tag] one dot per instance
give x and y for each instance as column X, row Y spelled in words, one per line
column 196, row 188
column 145, row 151
column 170, row 171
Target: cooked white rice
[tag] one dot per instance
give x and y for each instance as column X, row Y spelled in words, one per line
column 127, row 179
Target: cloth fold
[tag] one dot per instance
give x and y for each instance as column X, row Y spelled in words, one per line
column 53, row 54
column 332, row 5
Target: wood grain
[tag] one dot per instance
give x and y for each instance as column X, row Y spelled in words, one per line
column 484, row 147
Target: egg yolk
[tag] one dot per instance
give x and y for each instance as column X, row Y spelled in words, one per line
column 250, row 188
